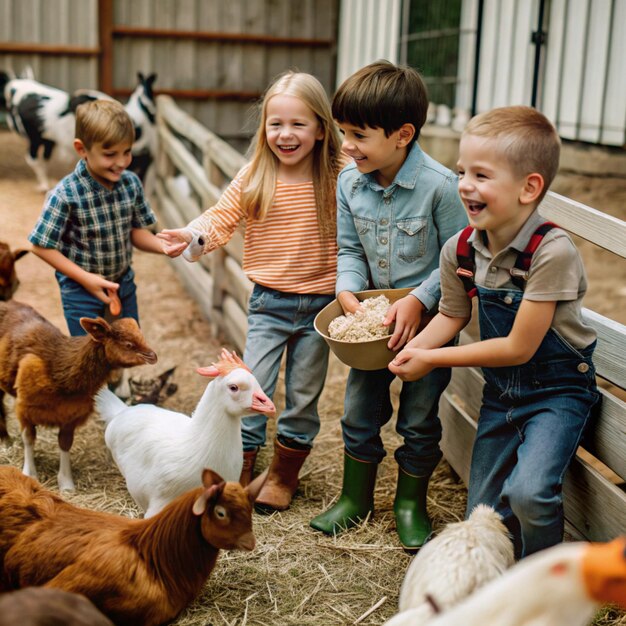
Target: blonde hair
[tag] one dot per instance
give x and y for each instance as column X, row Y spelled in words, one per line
column 526, row 139
column 105, row 122
column 259, row 181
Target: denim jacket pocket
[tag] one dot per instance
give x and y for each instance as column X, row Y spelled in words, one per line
column 411, row 238
column 366, row 231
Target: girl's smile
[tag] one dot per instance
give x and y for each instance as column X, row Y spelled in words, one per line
column 292, row 130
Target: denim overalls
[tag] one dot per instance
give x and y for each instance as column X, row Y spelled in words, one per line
column 531, row 422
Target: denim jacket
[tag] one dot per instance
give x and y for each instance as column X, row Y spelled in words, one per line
column 391, row 238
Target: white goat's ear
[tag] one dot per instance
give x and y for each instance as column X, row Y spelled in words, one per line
column 211, row 371
column 98, row 328
column 254, row 488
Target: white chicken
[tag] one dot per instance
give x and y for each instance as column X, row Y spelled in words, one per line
column 560, row 586
column 463, row 557
column 162, row 453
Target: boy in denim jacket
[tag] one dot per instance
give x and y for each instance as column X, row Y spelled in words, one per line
column 396, row 207
column 535, row 347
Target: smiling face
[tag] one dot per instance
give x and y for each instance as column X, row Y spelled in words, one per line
column 496, row 199
column 374, row 152
column 106, row 165
column 291, row 130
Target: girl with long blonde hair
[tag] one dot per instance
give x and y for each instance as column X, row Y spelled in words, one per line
column 286, row 197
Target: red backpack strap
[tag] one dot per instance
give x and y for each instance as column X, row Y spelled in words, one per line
column 519, row 272
column 465, row 260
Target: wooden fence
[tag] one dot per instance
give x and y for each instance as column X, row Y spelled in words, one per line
column 188, row 149
column 595, row 505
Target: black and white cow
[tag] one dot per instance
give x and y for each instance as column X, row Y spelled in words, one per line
column 45, row 116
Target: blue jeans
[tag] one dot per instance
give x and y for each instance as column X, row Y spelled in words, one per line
column 368, row 408
column 531, row 421
column 279, row 322
column 78, row 302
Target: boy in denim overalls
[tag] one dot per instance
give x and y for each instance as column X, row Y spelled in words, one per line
column 535, row 348
column 396, row 207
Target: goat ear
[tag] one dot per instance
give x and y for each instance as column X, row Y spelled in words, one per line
column 18, row 254
column 214, row 491
column 209, row 478
column 211, row 371
column 199, row 506
column 254, row 488
column 98, row 328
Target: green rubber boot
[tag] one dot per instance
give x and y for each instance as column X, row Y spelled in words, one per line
column 356, row 499
column 412, row 521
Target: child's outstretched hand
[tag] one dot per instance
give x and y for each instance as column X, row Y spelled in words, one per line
column 174, row 240
column 409, row 364
column 407, row 314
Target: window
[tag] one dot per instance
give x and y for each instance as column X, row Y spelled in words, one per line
column 429, row 42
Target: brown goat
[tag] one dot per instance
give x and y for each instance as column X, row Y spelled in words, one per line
column 54, row 377
column 8, row 277
column 37, row 606
column 137, row 572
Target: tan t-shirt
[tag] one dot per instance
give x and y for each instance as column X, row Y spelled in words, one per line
column 556, row 274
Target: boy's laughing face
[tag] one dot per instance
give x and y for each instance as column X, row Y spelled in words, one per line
column 374, row 152
column 493, row 194
column 106, row 165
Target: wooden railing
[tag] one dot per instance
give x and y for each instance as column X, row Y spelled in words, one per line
column 595, row 505
column 188, row 149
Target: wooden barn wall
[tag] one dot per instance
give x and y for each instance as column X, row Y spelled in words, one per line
column 241, row 68
column 225, row 66
column 52, row 23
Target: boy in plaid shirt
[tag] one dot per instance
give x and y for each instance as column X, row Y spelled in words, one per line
column 92, row 219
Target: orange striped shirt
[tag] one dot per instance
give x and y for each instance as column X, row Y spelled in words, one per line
column 284, row 251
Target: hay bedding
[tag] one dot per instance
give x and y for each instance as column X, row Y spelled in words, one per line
column 295, row 576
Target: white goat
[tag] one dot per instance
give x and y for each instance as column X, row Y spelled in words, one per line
column 161, row 453
column 463, row 557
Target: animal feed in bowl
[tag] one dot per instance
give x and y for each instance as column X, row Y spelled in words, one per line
column 363, row 325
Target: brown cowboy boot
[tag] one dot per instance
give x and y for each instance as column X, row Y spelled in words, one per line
column 282, row 481
column 249, row 459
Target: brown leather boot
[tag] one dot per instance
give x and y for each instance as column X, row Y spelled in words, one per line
column 249, row 459
column 282, row 481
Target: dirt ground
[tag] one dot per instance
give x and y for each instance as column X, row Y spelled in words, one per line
column 295, row 576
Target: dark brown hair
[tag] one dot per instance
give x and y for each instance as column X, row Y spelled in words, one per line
column 382, row 95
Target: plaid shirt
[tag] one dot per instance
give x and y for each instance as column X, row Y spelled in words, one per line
column 90, row 224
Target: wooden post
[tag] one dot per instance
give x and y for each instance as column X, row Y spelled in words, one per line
column 105, row 32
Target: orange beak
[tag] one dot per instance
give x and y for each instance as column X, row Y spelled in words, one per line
column 604, row 571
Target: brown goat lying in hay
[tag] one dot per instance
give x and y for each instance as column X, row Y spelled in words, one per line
column 137, row 572
column 54, row 378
